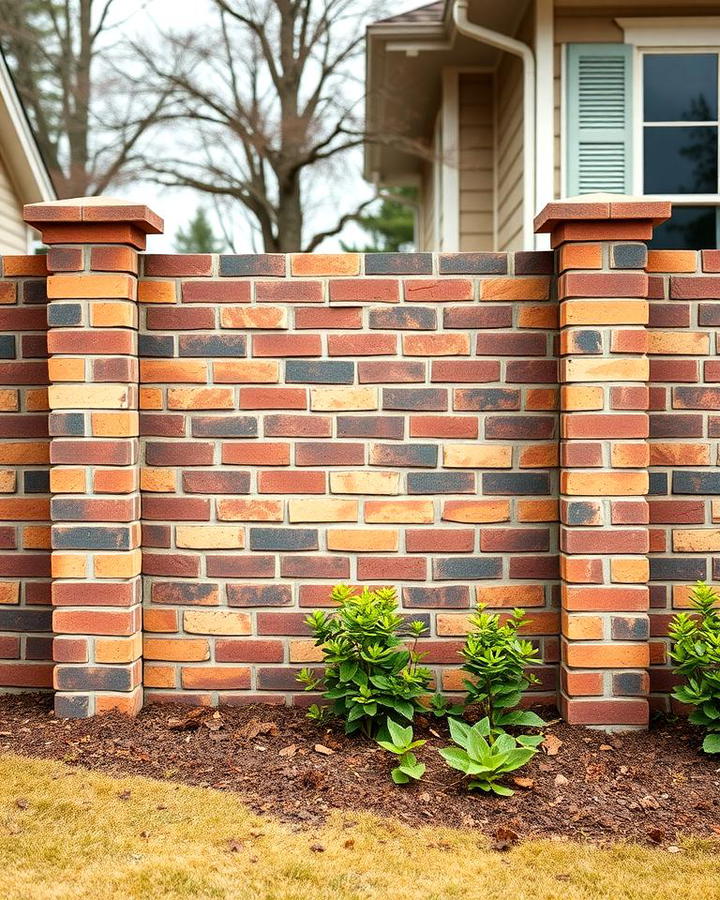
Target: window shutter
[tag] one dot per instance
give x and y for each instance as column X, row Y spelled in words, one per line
column 599, row 111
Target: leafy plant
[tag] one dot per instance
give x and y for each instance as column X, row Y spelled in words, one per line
column 440, row 707
column 497, row 659
column 401, row 743
column 370, row 673
column 317, row 714
column 696, row 654
column 484, row 758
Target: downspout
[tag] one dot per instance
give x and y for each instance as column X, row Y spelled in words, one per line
column 517, row 48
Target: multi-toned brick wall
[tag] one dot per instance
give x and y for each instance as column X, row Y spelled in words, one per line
column 684, row 497
column 25, row 613
column 307, row 420
column 440, row 423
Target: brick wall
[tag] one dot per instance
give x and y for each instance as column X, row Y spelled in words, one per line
column 684, row 440
column 440, row 423
column 308, row 420
column 25, row 613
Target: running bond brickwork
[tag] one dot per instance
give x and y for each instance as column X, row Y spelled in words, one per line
column 470, row 428
column 307, row 420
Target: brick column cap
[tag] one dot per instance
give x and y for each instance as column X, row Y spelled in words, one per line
column 93, row 211
column 601, row 206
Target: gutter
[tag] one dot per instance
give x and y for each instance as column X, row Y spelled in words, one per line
column 517, row 48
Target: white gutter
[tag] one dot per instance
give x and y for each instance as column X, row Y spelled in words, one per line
column 517, row 48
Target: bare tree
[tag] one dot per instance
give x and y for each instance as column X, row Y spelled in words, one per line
column 268, row 93
column 64, row 58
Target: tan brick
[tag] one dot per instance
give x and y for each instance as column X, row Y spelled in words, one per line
column 696, row 540
column 303, row 651
column 68, row 565
column 119, row 649
column 115, row 424
column 246, row 371
column 580, row 396
column 62, row 368
column 365, row 482
column 688, row 343
column 337, row 398
column 200, row 621
column 209, row 537
column 599, row 484
column 248, row 317
column 580, row 627
column 113, row 315
column 591, row 369
column 322, row 510
column 9, row 593
column 89, row 396
column 389, row 512
column 201, row 398
column 67, row 481
column 362, row 539
column 476, row 511
column 510, row 595
column 176, row 649
column 117, row 565
column 679, row 453
column 157, row 292
column 604, row 312
column 476, row 456
column 162, row 371
column 159, row 676
column 161, row 481
column 60, row 287
column 8, row 481
column 630, row 570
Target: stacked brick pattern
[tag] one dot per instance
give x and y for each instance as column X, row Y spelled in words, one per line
column 684, row 498
column 308, row 420
column 25, row 613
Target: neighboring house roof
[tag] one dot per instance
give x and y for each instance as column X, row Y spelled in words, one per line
column 431, row 12
column 405, row 57
column 18, row 147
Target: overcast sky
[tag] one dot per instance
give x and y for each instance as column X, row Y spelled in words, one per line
column 177, row 206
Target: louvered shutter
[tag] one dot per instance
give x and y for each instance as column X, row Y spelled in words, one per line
column 599, row 118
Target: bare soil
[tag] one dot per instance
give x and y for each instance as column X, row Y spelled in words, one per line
column 650, row 787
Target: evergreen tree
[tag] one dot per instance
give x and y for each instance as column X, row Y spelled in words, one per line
column 392, row 227
column 199, row 236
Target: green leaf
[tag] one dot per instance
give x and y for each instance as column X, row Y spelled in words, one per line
column 401, row 737
column 459, row 731
column 391, row 748
column 501, row 789
column 456, row 758
column 399, row 777
column 348, row 668
column 530, row 740
column 711, row 744
column 524, row 718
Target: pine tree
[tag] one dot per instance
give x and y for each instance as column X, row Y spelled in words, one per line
column 392, row 227
column 199, row 236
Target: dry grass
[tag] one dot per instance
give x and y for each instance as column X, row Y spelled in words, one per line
column 68, row 833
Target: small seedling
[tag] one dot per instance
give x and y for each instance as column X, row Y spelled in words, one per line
column 484, row 760
column 401, row 743
column 441, row 708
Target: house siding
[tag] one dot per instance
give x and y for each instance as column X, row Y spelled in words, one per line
column 476, row 161
column 13, row 232
column 509, row 154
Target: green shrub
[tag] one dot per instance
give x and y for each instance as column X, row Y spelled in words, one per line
column 696, row 655
column 497, row 661
column 369, row 673
column 401, row 743
column 483, row 758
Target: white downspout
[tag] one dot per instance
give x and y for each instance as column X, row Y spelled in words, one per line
column 517, row 48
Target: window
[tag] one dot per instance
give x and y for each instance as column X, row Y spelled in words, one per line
column 679, row 133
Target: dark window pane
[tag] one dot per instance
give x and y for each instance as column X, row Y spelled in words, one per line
column 690, row 228
column 681, row 87
column 681, row 160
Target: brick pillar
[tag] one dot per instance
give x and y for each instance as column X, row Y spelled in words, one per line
column 602, row 293
column 95, row 507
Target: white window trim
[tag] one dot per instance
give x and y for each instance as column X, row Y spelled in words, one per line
column 450, row 240
column 670, row 35
column 669, row 31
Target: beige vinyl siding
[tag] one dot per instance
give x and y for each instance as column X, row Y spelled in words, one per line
column 13, row 234
column 509, row 153
column 425, row 240
column 475, row 101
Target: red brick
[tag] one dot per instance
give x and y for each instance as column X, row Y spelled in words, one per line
column 376, row 344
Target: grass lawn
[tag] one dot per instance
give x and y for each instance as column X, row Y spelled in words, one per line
column 68, row 833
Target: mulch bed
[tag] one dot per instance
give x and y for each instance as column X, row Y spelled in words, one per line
column 650, row 787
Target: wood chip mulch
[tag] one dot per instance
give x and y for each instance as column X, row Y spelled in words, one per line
column 651, row 787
